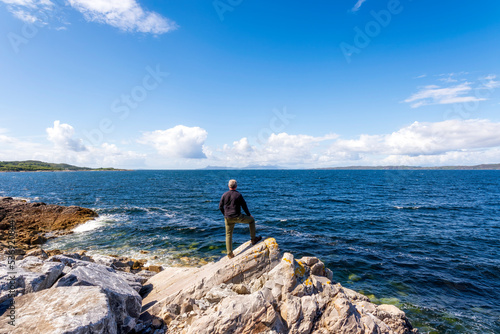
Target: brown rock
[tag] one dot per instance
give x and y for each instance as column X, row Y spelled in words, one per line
column 31, row 220
column 154, row 268
column 54, row 252
column 137, row 265
column 38, row 240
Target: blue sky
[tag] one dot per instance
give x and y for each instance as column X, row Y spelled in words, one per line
column 178, row 84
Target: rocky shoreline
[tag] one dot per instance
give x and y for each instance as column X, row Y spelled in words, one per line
column 261, row 290
column 34, row 223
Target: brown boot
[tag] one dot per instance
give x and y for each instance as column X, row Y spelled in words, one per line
column 256, row 240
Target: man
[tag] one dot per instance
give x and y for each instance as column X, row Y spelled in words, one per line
column 230, row 205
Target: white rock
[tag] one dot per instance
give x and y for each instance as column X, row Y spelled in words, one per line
column 75, row 310
column 124, row 300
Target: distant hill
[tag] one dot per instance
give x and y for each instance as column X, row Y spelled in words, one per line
column 36, row 166
column 476, row 167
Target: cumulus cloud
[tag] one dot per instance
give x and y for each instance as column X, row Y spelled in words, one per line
column 126, row 15
column 281, row 148
column 450, row 142
column 423, row 139
column 68, row 149
column 177, row 142
column 62, row 137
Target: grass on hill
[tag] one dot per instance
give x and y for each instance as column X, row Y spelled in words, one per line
column 33, row 166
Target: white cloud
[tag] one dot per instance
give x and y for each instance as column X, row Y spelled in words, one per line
column 24, row 16
column 450, row 142
column 357, row 6
column 62, row 137
column 177, row 142
column 424, row 139
column 67, row 149
column 126, row 15
column 277, row 149
column 457, row 89
column 489, row 82
column 28, row 11
column 433, row 94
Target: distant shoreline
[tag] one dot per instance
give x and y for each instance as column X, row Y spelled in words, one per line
column 40, row 166
column 68, row 170
column 476, row 167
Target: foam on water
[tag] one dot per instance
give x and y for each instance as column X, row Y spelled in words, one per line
column 94, row 224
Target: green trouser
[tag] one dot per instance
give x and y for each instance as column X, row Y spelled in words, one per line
column 230, row 228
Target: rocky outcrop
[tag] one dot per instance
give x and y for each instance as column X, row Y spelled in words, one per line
column 260, row 290
column 174, row 286
column 75, row 310
column 255, row 292
column 32, row 221
column 125, row 302
column 40, row 283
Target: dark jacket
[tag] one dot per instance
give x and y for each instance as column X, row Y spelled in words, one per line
column 231, row 203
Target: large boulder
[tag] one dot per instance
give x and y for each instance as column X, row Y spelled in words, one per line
column 31, row 275
column 174, row 286
column 125, row 302
column 256, row 293
column 135, row 281
column 49, row 272
column 75, row 310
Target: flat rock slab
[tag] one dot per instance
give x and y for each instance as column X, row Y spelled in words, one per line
column 65, row 310
column 180, row 283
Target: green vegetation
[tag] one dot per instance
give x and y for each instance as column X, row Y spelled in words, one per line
column 35, row 166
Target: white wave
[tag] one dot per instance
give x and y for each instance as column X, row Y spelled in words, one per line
column 93, row 224
column 407, row 207
column 26, row 199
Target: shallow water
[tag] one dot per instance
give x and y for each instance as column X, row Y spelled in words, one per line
column 426, row 241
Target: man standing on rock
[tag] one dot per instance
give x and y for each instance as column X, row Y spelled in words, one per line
column 230, row 205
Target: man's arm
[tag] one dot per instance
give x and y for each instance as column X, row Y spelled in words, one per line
column 221, row 204
column 244, row 206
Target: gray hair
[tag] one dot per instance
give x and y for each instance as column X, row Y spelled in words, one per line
column 232, row 184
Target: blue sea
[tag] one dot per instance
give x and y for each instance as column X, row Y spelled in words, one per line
column 425, row 241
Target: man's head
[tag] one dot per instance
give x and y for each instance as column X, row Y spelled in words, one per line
column 232, row 184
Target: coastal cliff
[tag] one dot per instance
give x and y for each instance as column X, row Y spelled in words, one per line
column 260, row 290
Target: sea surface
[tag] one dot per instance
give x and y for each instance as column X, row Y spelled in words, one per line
column 425, row 241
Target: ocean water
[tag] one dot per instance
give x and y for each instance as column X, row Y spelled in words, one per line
column 425, row 241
